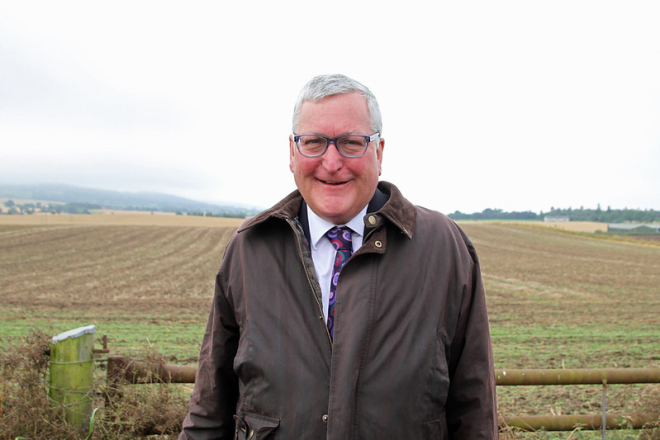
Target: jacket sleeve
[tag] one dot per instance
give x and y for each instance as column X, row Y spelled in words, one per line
column 472, row 405
column 213, row 401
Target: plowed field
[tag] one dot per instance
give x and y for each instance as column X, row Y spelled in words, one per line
column 556, row 300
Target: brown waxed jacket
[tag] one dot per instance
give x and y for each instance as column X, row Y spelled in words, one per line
column 411, row 357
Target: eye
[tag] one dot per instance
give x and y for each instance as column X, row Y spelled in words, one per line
column 353, row 141
column 311, row 141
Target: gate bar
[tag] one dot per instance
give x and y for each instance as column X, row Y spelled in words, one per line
column 613, row 376
column 123, row 368
column 636, row 420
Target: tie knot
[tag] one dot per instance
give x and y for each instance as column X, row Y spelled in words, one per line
column 340, row 237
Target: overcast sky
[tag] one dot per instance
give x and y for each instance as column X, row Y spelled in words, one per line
column 517, row 105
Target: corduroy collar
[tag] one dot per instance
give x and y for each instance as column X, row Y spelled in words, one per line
column 397, row 210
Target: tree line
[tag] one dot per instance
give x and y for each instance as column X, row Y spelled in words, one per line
column 10, row 207
column 581, row 214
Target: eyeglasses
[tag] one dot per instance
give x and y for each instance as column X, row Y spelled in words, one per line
column 313, row 145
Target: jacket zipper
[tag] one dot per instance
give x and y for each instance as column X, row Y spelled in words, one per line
column 309, row 278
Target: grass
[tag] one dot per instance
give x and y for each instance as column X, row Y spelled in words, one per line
column 122, row 413
column 556, row 300
column 570, row 300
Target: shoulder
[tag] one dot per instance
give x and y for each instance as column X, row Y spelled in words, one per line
column 421, row 224
column 285, row 209
column 264, row 229
column 435, row 222
column 435, row 227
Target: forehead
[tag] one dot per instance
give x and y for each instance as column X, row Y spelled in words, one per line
column 348, row 112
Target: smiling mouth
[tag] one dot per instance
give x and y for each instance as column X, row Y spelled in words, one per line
column 331, row 183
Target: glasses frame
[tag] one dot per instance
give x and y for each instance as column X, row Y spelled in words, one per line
column 296, row 139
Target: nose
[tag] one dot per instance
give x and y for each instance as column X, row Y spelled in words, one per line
column 332, row 160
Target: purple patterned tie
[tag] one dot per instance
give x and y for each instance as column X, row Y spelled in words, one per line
column 340, row 237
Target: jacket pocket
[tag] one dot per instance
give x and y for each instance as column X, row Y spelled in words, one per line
column 254, row 426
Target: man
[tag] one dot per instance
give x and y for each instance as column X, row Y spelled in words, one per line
column 375, row 331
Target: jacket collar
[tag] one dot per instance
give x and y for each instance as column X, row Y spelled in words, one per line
column 387, row 205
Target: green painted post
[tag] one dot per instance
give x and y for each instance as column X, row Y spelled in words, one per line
column 72, row 373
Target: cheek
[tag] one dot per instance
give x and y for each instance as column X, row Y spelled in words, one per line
column 368, row 168
column 303, row 166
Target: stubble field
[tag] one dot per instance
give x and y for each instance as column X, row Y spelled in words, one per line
column 556, row 300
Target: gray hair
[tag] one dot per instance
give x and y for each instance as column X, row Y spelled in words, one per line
column 323, row 86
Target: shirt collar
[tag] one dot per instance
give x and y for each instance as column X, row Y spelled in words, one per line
column 318, row 226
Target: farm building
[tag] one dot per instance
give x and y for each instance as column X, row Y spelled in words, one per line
column 635, row 228
column 556, row 218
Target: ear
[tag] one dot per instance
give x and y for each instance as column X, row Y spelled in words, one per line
column 379, row 154
column 292, row 150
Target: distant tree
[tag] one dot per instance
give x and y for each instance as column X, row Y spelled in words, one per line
column 591, row 215
column 495, row 214
column 79, row 208
column 10, row 203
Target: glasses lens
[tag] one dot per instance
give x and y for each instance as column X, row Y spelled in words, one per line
column 352, row 145
column 309, row 145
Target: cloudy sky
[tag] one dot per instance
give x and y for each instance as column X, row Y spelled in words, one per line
column 517, row 105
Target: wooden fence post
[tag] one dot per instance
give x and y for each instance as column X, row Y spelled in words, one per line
column 72, row 373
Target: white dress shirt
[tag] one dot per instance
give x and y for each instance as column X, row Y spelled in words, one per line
column 323, row 253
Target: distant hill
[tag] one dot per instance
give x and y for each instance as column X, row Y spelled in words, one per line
column 107, row 199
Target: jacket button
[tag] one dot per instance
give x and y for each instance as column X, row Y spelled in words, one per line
column 372, row 220
column 378, row 243
column 325, row 418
